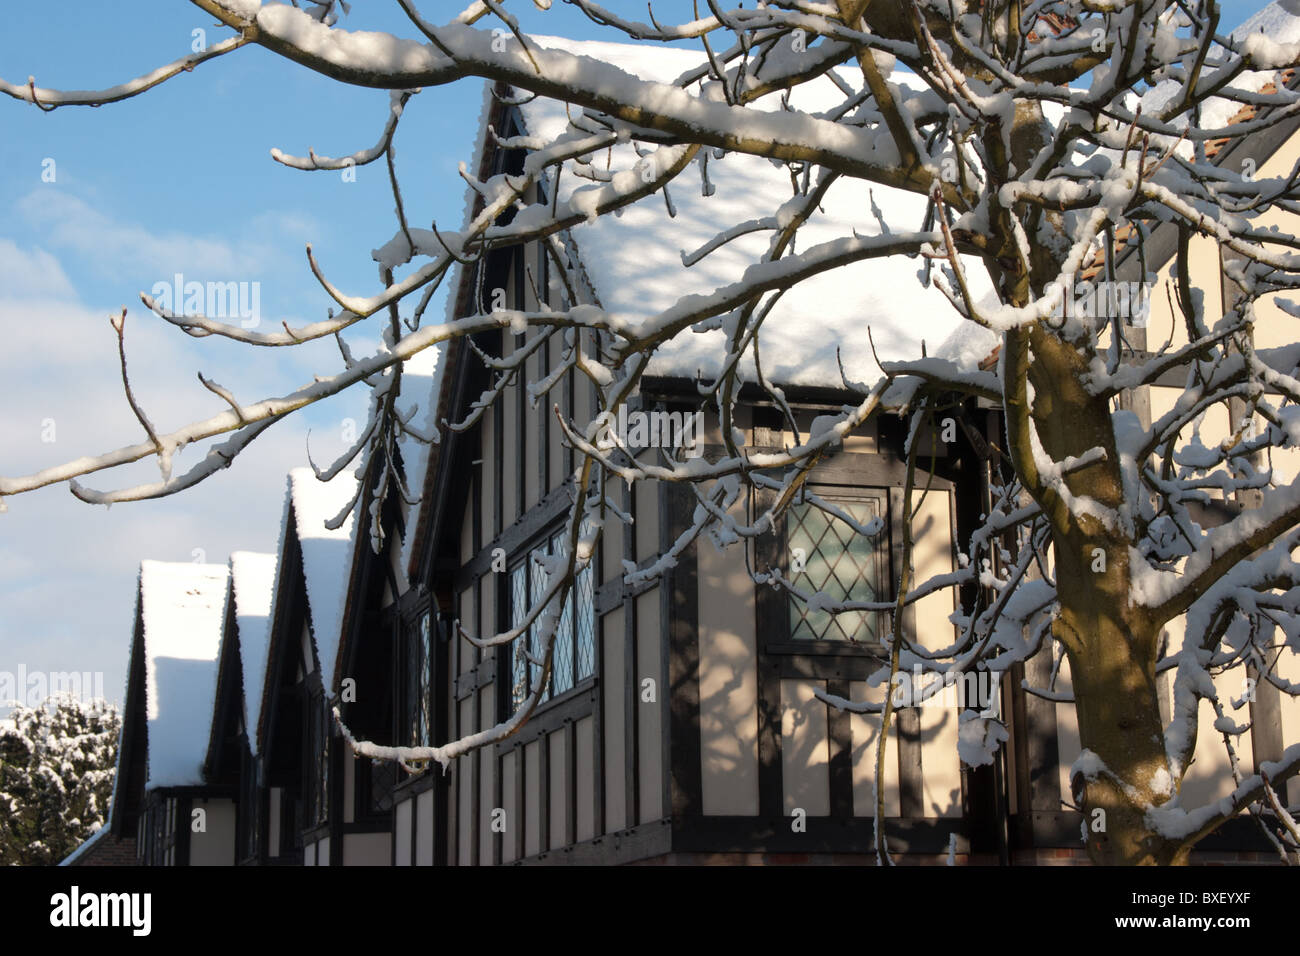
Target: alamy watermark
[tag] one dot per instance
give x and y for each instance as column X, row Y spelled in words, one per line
column 213, row 300
column 32, row 688
column 973, row 690
column 636, row 430
column 1086, row 299
column 78, row 908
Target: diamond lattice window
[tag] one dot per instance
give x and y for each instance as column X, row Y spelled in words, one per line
column 573, row 658
column 419, row 682
column 383, row 777
column 423, row 723
column 518, row 648
column 316, row 807
column 827, row 554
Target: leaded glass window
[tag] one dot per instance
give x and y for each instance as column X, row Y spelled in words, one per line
column 827, row 554
column 519, row 669
column 583, row 600
column 573, row 657
column 381, row 778
column 419, row 658
column 537, row 587
column 160, row 823
column 323, row 755
column 250, row 811
column 316, row 805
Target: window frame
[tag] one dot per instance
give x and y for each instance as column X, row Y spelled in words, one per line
column 251, row 811
column 410, row 681
column 836, row 664
column 883, row 553
column 578, row 682
column 417, row 683
column 160, row 818
column 372, row 791
column 315, row 803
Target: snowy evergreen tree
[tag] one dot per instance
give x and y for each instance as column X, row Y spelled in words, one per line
column 56, row 778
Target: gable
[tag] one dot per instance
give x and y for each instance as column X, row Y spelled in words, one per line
column 327, row 554
column 243, row 660
column 132, row 750
column 222, row 760
column 253, row 578
column 181, row 610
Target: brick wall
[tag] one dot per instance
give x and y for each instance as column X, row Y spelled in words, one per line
column 109, row 851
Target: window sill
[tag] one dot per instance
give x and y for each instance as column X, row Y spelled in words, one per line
column 316, row 832
column 827, row 648
column 584, row 686
column 413, row 784
column 570, row 707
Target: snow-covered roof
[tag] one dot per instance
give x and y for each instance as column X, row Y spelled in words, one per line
column 181, row 608
column 421, row 383
column 326, row 556
column 1273, row 20
column 635, row 267
column 118, row 782
column 86, row 844
column 1278, row 26
column 252, row 578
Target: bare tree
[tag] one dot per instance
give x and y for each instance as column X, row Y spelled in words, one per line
column 1045, row 137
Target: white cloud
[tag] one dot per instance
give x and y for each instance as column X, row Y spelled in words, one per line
column 74, row 224
column 32, row 275
column 67, row 569
column 271, row 243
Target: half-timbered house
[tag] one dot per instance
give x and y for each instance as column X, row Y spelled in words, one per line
column 230, row 762
column 160, row 795
column 313, row 807
column 681, row 720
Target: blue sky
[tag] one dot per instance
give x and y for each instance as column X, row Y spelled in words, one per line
column 180, row 180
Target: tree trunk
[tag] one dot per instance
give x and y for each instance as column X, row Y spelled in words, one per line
column 1119, row 721
column 1111, row 645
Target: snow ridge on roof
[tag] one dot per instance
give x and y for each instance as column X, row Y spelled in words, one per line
column 1275, row 23
column 121, row 732
column 85, row 846
column 634, row 260
column 326, row 556
column 1274, row 20
column 422, row 374
column 181, row 610
column 252, row 578
column 421, row 384
column 471, row 196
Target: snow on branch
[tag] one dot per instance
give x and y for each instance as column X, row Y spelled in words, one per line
column 922, row 210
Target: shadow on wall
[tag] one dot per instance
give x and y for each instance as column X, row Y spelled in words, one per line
column 729, row 706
